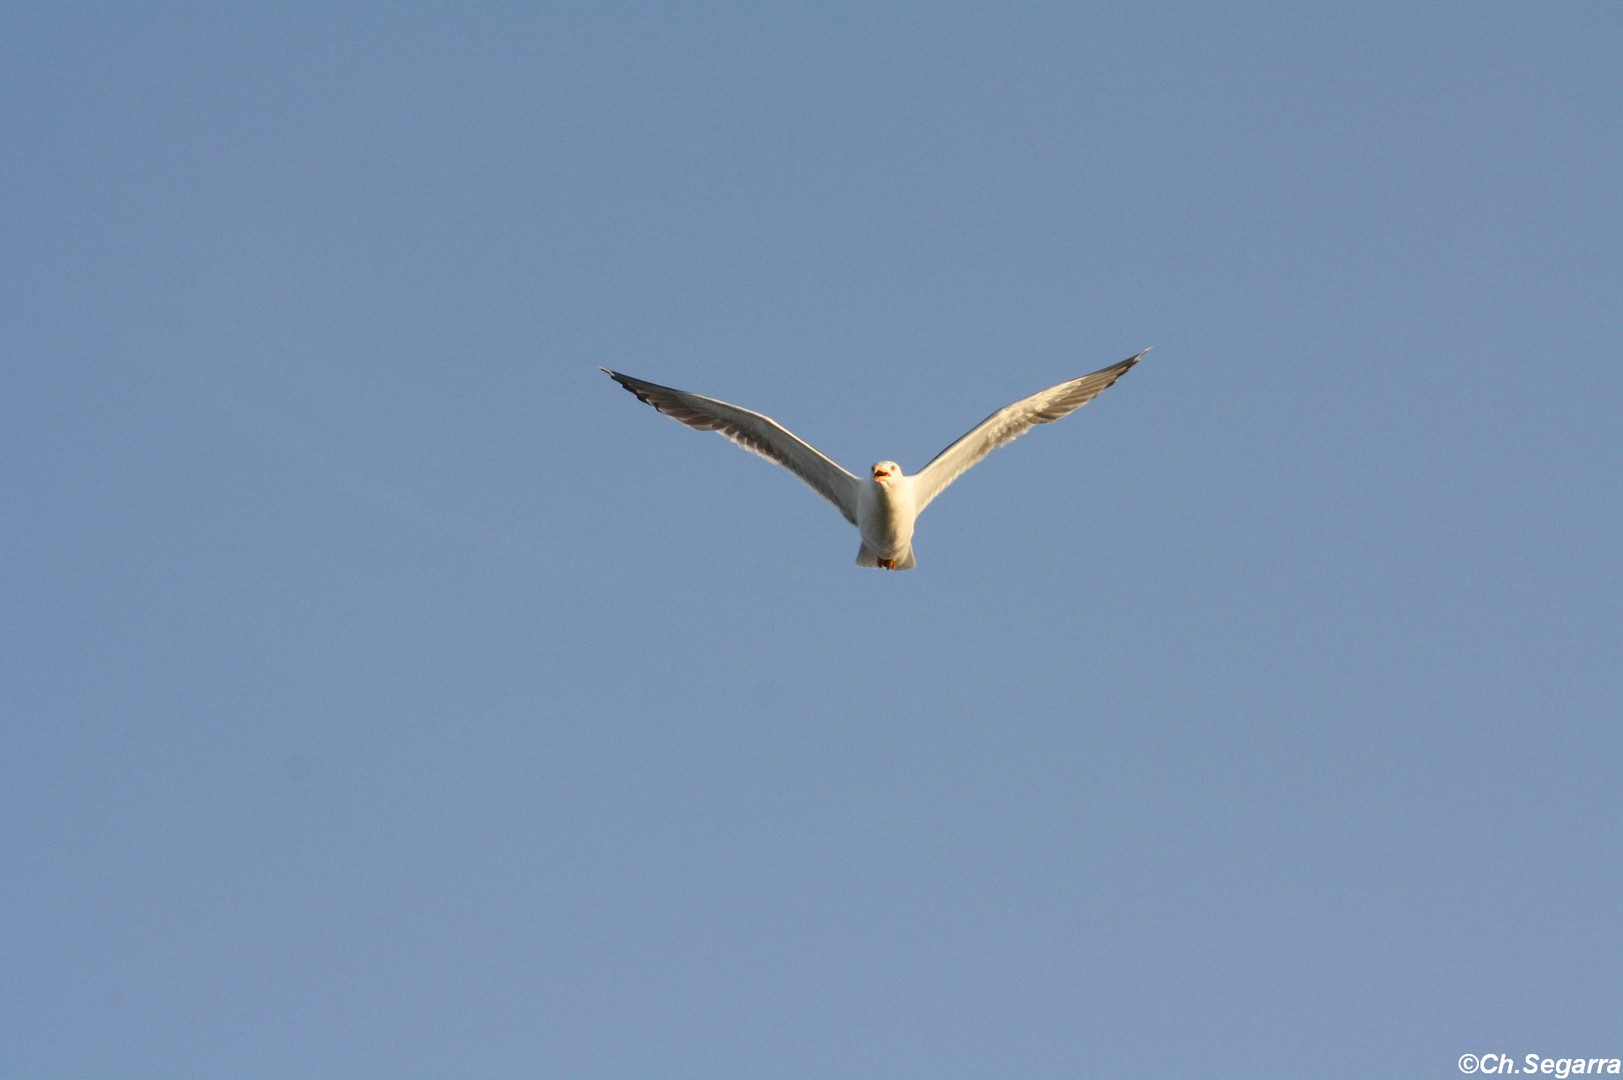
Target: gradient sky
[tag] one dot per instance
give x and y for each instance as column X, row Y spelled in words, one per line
column 385, row 693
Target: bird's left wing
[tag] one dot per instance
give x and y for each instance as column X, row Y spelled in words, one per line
column 1008, row 424
column 755, row 433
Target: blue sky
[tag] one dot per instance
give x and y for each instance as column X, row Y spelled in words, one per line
column 386, row 693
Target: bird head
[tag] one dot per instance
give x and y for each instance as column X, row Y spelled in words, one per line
column 886, row 470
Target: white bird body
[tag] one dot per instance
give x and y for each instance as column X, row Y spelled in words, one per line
column 885, row 507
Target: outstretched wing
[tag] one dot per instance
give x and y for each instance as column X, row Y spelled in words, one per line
column 1008, row 424
column 755, row 433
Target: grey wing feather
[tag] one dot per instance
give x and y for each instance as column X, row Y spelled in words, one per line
column 756, row 433
column 1011, row 422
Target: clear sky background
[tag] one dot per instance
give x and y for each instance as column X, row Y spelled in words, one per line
column 386, row 693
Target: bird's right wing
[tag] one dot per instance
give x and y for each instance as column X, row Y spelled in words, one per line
column 756, row 433
column 1011, row 422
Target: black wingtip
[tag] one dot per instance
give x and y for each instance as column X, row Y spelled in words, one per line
column 635, row 387
column 624, row 380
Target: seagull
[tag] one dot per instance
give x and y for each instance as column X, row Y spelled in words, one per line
column 885, row 506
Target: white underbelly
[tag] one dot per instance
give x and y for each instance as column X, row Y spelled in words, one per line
column 886, row 523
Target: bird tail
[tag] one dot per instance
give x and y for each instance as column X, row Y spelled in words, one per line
column 867, row 556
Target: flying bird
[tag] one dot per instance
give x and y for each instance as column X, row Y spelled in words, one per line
column 885, row 506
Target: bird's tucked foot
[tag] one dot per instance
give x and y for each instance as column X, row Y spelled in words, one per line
column 887, row 564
